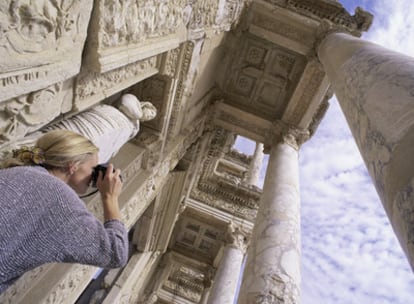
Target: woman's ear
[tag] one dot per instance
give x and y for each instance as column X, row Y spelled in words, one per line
column 72, row 168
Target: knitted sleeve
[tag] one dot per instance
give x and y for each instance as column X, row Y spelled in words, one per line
column 85, row 240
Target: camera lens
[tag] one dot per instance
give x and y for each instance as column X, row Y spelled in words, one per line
column 95, row 174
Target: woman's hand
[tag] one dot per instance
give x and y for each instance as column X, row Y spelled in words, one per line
column 110, row 187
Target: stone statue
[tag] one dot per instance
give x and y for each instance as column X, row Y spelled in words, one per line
column 106, row 126
column 109, row 127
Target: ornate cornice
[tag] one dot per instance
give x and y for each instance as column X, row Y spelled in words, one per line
column 329, row 10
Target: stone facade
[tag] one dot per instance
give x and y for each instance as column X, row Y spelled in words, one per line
column 214, row 70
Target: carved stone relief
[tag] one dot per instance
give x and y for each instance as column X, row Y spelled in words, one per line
column 123, row 31
column 41, row 43
column 131, row 21
column 224, row 191
column 92, row 87
column 185, row 281
column 28, row 113
column 177, row 100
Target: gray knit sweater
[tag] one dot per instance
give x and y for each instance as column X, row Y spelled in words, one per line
column 42, row 220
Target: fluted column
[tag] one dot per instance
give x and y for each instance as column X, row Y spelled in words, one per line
column 375, row 88
column 225, row 282
column 253, row 173
column 272, row 272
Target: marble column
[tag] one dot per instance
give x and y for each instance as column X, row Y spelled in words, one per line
column 253, row 173
column 375, row 89
column 225, row 282
column 272, row 271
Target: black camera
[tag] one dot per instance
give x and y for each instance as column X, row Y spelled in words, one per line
column 95, row 173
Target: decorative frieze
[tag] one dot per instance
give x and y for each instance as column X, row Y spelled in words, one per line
column 169, row 64
column 128, row 31
column 185, row 61
column 41, row 44
column 127, row 22
column 92, row 87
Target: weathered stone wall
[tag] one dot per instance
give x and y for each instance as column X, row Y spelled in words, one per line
column 58, row 58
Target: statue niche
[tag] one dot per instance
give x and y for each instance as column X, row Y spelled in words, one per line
column 109, row 127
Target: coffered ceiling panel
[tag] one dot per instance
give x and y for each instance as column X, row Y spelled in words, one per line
column 261, row 76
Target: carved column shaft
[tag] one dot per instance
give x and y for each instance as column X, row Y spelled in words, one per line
column 375, row 88
column 272, row 272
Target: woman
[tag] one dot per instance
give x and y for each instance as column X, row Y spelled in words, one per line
column 42, row 219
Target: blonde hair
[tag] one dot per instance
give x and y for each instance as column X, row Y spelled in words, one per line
column 58, row 148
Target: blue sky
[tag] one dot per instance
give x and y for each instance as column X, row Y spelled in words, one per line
column 350, row 254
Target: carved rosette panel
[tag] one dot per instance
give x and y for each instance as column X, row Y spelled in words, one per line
column 42, row 43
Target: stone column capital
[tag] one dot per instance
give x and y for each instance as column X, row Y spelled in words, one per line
column 327, row 27
column 285, row 133
column 237, row 238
